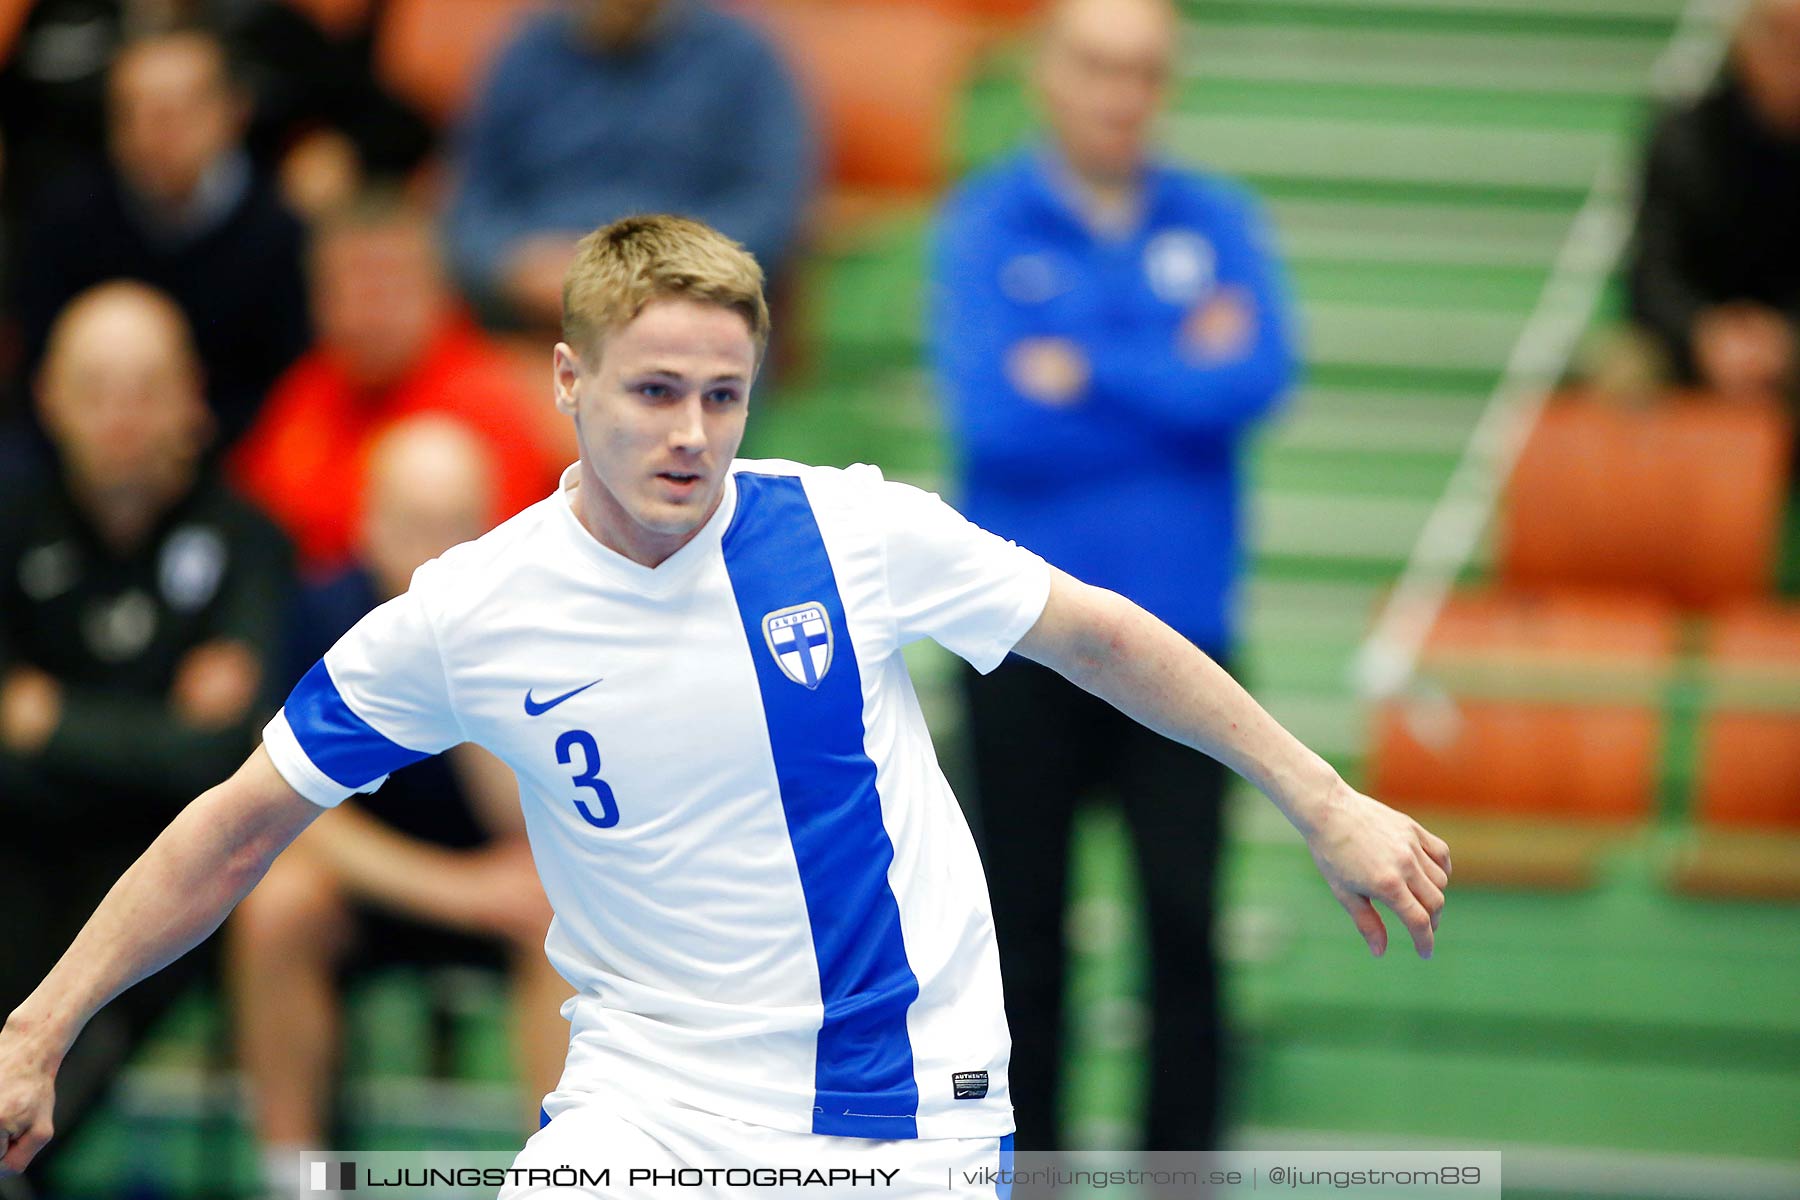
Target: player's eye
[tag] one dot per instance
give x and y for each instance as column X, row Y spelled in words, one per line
column 655, row 391
column 724, row 396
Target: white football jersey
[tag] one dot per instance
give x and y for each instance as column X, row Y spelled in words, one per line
column 767, row 899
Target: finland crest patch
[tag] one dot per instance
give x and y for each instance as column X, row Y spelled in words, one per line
column 800, row 639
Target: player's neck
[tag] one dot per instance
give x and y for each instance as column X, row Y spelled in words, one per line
column 608, row 523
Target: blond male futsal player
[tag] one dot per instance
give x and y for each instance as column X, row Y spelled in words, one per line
column 766, row 898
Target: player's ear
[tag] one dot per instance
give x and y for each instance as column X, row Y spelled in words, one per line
column 567, row 370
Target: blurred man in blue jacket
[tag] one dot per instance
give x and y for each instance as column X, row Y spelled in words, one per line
column 604, row 108
column 1107, row 329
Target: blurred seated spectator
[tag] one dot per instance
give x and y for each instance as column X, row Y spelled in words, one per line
column 393, row 341
column 1715, row 265
column 138, row 602
column 611, row 107
column 432, row 868
column 321, row 119
column 181, row 208
column 311, row 84
column 54, row 56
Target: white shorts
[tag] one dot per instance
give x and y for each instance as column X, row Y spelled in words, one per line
column 603, row 1146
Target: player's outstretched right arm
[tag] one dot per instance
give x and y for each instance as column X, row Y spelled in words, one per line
column 1365, row 850
column 177, row 893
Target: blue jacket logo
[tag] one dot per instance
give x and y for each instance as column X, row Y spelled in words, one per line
column 800, row 639
column 1182, row 266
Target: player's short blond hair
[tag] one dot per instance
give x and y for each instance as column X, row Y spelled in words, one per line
column 621, row 267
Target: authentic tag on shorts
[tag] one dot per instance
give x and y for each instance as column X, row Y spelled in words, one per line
column 970, row 1085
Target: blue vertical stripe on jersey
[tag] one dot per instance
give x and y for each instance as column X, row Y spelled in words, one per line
column 1003, row 1185
column 863, row 1081
column 340, row 743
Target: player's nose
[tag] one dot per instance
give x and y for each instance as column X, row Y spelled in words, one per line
column 687, row 433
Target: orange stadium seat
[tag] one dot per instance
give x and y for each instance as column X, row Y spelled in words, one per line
column 1514, row 759
column 1682, row 500
column 435, row 53
column 1562, row 646
column 1745, row 842
column 1548, row 709
column 884, row 80
column 1750, row 738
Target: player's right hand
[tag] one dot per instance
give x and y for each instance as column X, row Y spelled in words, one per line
column 27, row 1096
column 1367, row 851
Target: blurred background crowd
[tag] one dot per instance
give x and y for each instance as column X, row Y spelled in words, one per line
column 1434, row 364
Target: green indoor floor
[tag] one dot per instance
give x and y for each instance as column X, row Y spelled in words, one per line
column 1422, row 160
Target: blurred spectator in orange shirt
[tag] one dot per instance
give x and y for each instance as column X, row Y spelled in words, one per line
column 393, row 342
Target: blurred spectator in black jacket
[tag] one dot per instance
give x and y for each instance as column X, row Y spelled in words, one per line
column 317, row 105
column 179, row 206
column 139, row 602
column 1715, row 268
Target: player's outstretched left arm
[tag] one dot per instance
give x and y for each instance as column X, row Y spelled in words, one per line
column 1366, row 850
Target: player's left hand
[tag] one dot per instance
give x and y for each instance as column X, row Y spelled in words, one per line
column 27, row 1095
column 1368, row 851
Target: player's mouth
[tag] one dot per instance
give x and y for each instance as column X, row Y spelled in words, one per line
column 682, row 483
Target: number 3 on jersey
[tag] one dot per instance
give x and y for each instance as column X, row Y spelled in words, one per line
column 589, row 777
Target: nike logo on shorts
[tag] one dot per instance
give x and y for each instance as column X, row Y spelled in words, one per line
column 535, row 709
